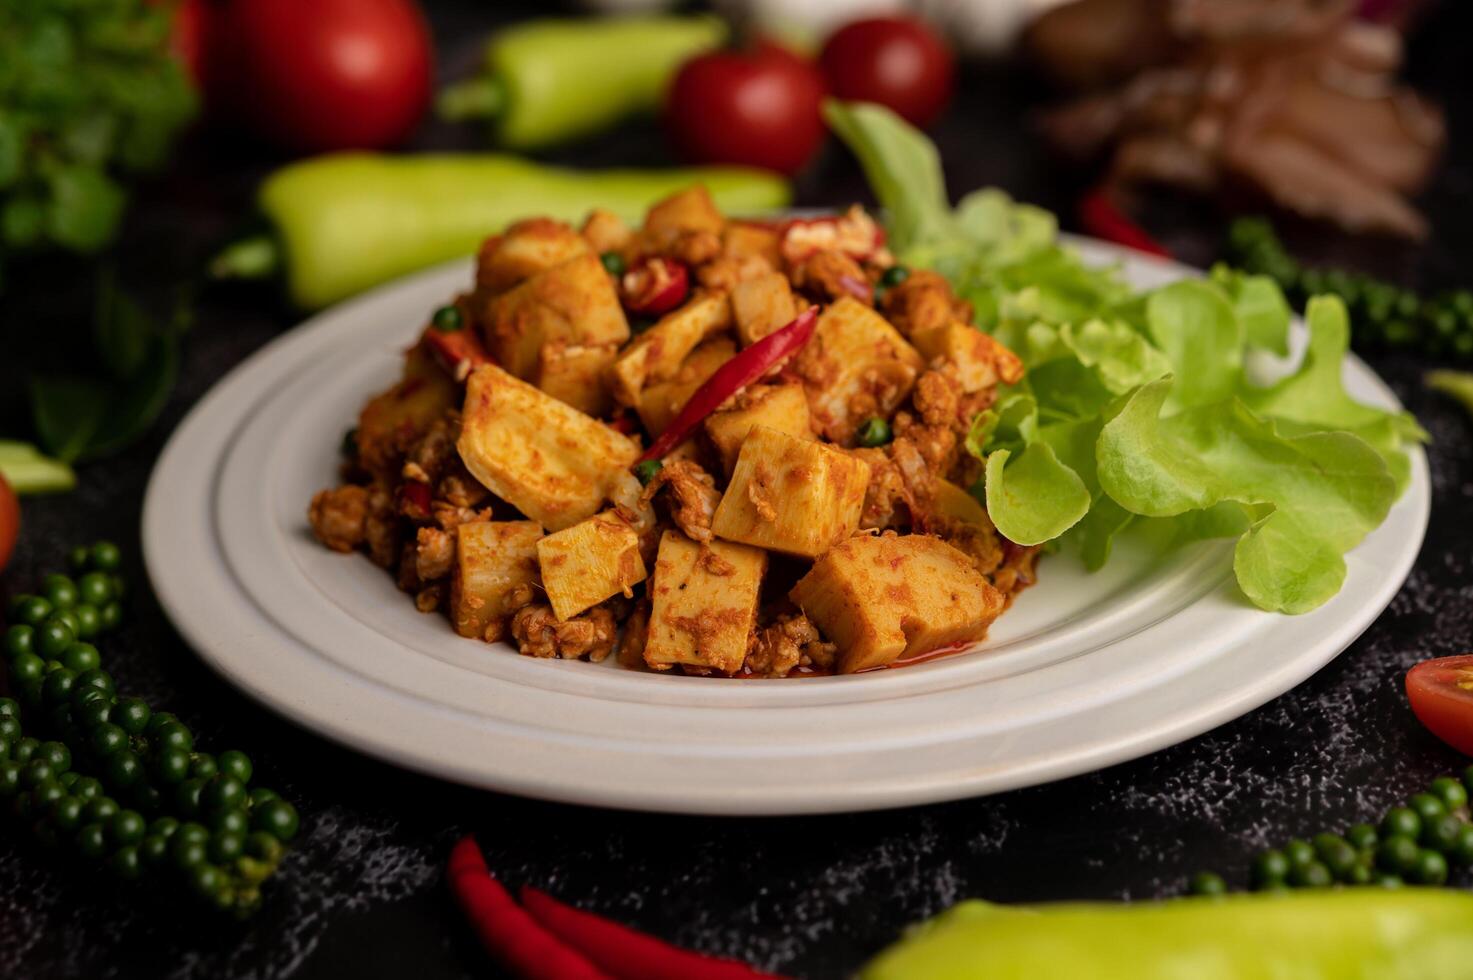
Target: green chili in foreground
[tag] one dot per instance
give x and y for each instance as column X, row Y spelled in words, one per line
column 1407, row 934
column 345, row 222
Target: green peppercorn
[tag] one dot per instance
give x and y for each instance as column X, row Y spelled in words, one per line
column 1207, row 883
column 57, row 688
column 613, row 263
column 1300, row 853
column 66, row 813
column 1427, row 806
column 173, row 736
column 277, row 817
column 9, row 708
column 9, row 731
column 207, row 879
column 131, row 715
column 98, row 678
column 126, row 827
column 89, row 620
column 874, row 432
column 235, row 763
column 87, row 788
column 1441, row 834
column 153, row 849
column 1397, row 855
column 57, row 755
column 1389, row 881
column 92, row 713
column 646, row 470
column 1430, row 869
column 1362, row 836
column 52, row 638
column 187, row 853
column 263, row 847
column 78, row 557
column 68, row 618
column 202, row 765
column 1450, row 792
column 108, row 740
column 111, row 616
column 194, row 831
column 31, row 610
column 260, row 795
column 171, row 765
column 10, row 778
column 45, row 794
column 234, row 819
column 106, row 557
column 1462, row 851
column 894, row 276
column 223, row 792
column 126, row 863
column 60, row 591
column 95, row 588
column 186, row 797
column 1336, row 854
column 1360, row 874
column 124, row 769
column 1401, row 821
column 92, row 840
column 226, row 845
column 448, row 319
column 19, row 639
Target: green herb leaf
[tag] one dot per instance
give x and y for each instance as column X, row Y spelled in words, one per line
column 1194, row 326
column 67, row 410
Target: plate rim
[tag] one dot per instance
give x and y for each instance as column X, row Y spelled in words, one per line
column 160, row 508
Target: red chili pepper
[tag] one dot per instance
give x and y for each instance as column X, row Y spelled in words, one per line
column 627, row 954
column 459, row 352
column 654, row 287
column 512, row 937
column 732, row 377
column 1101, row 218
column 414, row 500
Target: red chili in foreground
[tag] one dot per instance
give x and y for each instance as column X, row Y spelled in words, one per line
column 1102, row 219
column 625, row 953
column 512, row 937
column 732, row 377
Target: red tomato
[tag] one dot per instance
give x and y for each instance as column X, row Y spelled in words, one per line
column 326, row 74
column 898, row 62
column 759, row 107
column 9, row 522
column 1441, row 692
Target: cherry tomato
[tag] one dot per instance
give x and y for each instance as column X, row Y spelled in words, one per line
column 898, row 62
column 1441, row 692
column 759, row 107
column 326, row 74
column 9, row 522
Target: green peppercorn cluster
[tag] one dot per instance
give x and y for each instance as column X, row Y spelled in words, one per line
column 1416, row 842
column 124, row 784
column 1382, row 315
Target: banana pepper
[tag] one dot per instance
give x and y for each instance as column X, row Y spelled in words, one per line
column 553, row 80
column 345, row 222
column 1354, row 934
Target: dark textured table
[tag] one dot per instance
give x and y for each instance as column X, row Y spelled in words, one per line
column 361, row 895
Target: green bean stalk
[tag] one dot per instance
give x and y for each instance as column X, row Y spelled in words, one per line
column 119, row 782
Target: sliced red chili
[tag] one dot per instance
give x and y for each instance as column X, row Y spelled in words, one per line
column 654, row 286
column 627, row 954
column 732, row 377
column 512, row 937
column 458, row 352
column 1101, row 218
column 414, row 500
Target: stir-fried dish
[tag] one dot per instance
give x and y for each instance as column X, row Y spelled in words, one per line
column 714, row 446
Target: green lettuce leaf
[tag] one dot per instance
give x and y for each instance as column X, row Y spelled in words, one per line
column 1328, row 490
column 1260, row 306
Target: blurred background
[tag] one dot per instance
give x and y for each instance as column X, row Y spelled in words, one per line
column 139, row 139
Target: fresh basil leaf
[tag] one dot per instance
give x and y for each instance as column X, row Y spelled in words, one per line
column 121, row 329
column 136, row 404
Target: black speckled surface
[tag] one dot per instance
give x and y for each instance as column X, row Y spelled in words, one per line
column 361, row 895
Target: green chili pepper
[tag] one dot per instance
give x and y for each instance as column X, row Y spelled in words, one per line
column 345, row 222
column 1407, row 934
column 549, row 81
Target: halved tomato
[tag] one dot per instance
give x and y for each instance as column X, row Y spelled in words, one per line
column 1441, row 692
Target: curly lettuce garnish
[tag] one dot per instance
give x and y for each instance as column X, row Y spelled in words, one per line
column 1139, row 408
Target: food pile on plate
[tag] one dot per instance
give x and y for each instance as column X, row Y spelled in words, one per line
column 718, row 447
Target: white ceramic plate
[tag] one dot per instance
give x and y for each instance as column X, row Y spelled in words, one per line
column 1084, row 671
